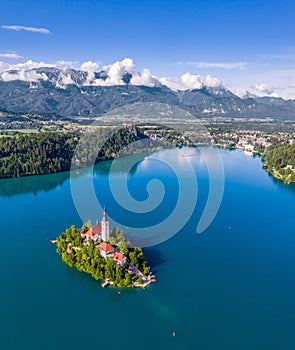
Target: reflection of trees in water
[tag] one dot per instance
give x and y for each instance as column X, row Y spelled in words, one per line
column 127, row 164
column 32, row 184
column 287, row 186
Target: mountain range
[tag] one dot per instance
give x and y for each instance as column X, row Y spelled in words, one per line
column 73, row 93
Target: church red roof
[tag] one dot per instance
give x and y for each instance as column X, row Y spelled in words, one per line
column 94, row 230
column 119, row 256
column 105, row 247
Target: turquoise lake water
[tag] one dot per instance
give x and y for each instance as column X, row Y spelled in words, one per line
column 231, row 287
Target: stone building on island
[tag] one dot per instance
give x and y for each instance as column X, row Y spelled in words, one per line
column 105, row 227
column 101, row 232
column 98, row 231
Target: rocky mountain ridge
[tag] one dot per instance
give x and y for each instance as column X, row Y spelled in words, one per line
column 72, row 93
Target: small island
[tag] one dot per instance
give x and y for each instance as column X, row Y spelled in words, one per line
column 106, row 255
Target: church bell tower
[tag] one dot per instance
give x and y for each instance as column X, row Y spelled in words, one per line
column 105, row 227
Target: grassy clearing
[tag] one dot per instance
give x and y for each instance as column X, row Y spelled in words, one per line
column 13, row 132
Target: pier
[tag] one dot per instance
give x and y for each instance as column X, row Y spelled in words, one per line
column 105, row 283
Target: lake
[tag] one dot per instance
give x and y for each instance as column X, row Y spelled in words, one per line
column 231, row 287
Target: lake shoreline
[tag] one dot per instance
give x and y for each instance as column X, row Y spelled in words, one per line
column 273, row 173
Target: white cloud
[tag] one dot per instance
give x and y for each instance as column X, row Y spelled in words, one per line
column 27, row 29
column 63, row 80
column 11, row 55
column 30, row 76
column 90, row 67
column 221, row 65
column 190, row 81
column 24, row 71
column 263, row 88
column 26, row 65
column 116, row 71
column 210, row 81
column 4, row 66
column 63, row 64
column 243, row 93
column 240, row 92
column 144, row 78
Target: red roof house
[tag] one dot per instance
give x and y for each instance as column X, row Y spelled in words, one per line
column 105, row 249
column 119, row 257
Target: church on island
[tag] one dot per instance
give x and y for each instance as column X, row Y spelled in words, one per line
column 114, row 266
column 101, row 232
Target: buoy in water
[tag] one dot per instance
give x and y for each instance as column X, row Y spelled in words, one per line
column 174, row 334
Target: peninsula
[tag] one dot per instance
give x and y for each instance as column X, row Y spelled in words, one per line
column 106, row 255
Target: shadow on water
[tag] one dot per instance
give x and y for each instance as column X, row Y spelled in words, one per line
column 286, row 185
column 127, row 164
column 32, row 184
column 154, row 258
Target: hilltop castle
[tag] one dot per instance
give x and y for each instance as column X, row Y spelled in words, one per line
column 99, row 231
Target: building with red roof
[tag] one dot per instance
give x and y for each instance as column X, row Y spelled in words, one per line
column 105, row 249
column 94, row 233
column 98, row 231
column 94, row 230
column 119, row 257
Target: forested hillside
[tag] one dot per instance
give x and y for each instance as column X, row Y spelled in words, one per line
column 47, row 153
column 36, row 154
column 281, row 160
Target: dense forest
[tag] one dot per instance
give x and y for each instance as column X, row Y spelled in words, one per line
column 47, row 153
column 86, row 257
column 282, row 159
column 36, row 154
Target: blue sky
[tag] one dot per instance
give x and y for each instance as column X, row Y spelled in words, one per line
column 246, row 44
